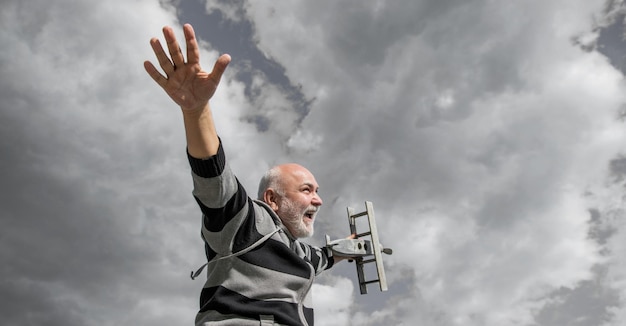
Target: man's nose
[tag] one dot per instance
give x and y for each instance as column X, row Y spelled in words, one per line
column 317, row 200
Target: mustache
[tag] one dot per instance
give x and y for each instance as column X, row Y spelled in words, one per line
column 312, row 209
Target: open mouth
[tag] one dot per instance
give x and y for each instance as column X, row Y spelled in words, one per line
column 310, row 215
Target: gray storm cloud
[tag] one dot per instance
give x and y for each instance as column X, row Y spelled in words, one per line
column 486, row 134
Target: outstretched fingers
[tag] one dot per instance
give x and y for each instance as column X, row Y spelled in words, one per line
column 164, row 61
column 193, row 52
column 154, row 73
column 182, row 76
column 172, row 45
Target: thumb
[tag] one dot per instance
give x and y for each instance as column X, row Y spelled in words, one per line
column 219, row 67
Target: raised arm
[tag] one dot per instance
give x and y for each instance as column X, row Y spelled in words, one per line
column 190, row 87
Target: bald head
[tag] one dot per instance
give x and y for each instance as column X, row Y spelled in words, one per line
column 291, row 191
column 276, row 177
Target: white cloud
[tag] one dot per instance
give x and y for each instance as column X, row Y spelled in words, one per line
column 333, row 301
column 97, row 224
column 611, row 205
column 479, row 130
column 475, row 128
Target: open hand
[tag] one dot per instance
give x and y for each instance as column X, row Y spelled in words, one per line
column 185, row 82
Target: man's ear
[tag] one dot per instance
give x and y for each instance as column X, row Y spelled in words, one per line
column 270, row 197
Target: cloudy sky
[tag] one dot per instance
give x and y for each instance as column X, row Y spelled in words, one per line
column 490, row 136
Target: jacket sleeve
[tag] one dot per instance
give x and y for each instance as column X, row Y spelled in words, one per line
column 223, row 201
column 320, row 258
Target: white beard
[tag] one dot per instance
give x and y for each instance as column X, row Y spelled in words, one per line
column 293, row 218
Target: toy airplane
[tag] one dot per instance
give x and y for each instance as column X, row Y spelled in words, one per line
column 359, row 249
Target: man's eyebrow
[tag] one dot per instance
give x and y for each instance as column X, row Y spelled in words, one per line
column 309, row 184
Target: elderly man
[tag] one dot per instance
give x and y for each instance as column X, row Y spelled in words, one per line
column 258, row 273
